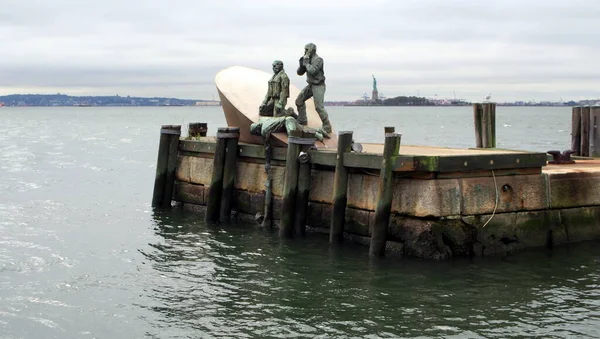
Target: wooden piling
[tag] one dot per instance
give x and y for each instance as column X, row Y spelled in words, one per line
column 477, row 112
column 215, row 190
column 484, row 118
column 231, row 146
column 384, row 196
column 594, row 131
column 389, row 129
column 585, row 131
column 493, row 123
column 485, row 126
column 268, row 208
column 488, row 125
column 290, row 185
column 171, row 166
column 340, row 187
column 166, row 165
column 197, row 129
column 304, row 177
column 576, row 130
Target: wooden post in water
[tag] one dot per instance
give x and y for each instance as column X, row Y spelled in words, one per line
column 389, row 129
column 171, row 166
column 304, row 173
column 585, row 131
column 576, row 130
column 215, row 191
column 477, row 112
column 169, row 139
column 594, row 131
column 493, row 122
column 197, row 129
column 484, row 117
column 488, row 125
column 340, row 188
column 485, row 124
column 231, row 146
column 268, row 215
column 290, row 184
column 384, row 196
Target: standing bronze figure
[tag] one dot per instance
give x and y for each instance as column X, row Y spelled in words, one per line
column 312, row 65
column 277, row 94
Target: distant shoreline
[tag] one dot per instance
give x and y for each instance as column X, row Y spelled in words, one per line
column 103, row 106
column 218, row 105
column 469, row 105
column 63, row 100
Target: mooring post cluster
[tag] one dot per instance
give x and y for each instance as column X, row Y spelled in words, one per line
column 296, row 185
column 218, row 207
column 485, row 124
column 166, row 165
column 585, row 137
column 296, row 188
column 384, row 197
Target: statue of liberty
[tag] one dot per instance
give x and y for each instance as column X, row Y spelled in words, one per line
column 375, row 95
column 374, row 84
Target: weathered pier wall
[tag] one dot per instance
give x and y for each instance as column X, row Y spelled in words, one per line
column 455, row 204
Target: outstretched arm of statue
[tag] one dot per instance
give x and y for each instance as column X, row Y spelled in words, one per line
column 315, row 67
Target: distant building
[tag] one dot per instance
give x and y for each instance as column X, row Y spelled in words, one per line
column 208, row 103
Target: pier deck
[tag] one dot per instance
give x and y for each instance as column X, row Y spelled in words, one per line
column 580, row 166
column 438, row 151
column 417, row 159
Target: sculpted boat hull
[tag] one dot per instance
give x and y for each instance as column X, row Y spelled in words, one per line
column 243, row 89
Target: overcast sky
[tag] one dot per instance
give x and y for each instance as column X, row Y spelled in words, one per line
column 517, row 50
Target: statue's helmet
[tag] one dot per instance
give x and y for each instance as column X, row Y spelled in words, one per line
column 311, row 48
column 277, row 66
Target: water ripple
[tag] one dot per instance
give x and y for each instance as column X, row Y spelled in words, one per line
column 231, row 288
column 82, row 254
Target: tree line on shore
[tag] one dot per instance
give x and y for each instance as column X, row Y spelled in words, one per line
column 67, row 100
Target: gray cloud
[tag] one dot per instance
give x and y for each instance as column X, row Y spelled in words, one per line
column 515, row 49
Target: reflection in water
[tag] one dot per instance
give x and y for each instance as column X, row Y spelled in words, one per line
column 236, row 281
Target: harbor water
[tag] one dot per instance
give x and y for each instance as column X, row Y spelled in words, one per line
column 83, row 255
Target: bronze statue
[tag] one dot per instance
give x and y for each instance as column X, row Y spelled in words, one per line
column 277, row 94
column 265, row 126
column 312, row 65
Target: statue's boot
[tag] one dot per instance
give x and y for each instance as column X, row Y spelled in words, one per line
column 321, row 134
column 318, row 136
column 326, row 125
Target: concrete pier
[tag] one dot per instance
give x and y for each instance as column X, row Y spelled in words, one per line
column 446, row 202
